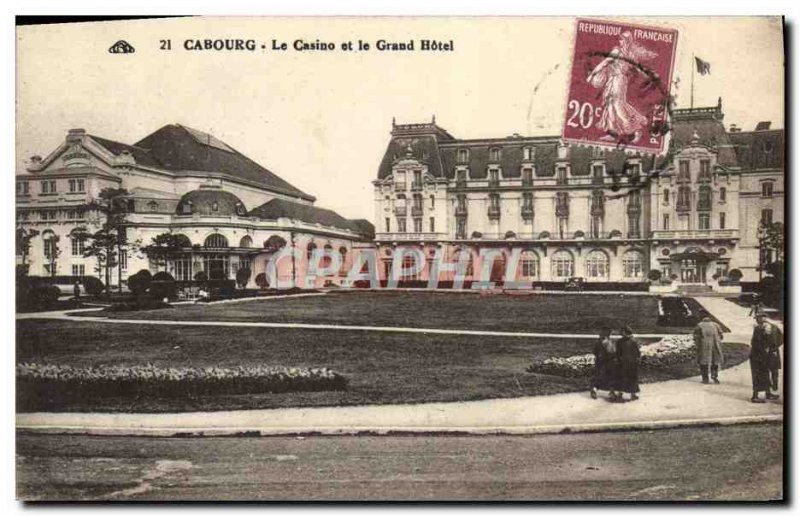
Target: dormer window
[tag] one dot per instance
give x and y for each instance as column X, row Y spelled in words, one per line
column 494, row 155
column 767, row 189
column 527, row 153
column 463, row 155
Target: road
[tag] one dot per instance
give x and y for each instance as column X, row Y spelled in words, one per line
column 712, row 463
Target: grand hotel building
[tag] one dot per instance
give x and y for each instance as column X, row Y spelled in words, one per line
column 605, row 215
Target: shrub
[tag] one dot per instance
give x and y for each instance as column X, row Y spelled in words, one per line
column 93, row 286
column 141, row 302
column 654, row 275
column 200, row 276
column 43, row 294
column 42, row 385
column 163, row 276
column 139, row 282
column 735, row 275
column 261, row 280
column 243, row 276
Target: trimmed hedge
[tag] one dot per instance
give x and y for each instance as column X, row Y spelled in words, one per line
column 46, row 386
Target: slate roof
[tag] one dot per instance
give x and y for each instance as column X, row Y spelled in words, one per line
column 203, row 201
column 141, row 155
column 759, row 149
column 280, row 208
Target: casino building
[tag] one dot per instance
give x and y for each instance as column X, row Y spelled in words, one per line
column 230, row 211
column 549, row 211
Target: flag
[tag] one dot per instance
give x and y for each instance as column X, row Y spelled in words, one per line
column 703, row 67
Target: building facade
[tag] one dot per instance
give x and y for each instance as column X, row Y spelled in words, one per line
column 543, row 211
column 230, row 212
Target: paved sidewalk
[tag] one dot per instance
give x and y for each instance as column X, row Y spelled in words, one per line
column 666, row 404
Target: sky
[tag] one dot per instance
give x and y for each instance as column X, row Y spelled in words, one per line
column 322, row 120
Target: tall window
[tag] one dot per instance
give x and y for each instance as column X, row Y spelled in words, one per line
column 705, row 170
column 22, row 188
column 703, row 221
column 766, row 216
column 310, row 248
column 388, row 224
column 494, row 177
column 417, row 224
column 410, row 271
column 494, row 155
column 561, row 175
column 78, row 269
column 597, row 173
column 50, row 244
column 433, row 201
column 246, row 241
column 76, row 185
column 463, row 155
column 704, row 197
column 722, row 220
column 343, row 264
column 563, row 265
column 527, row 177
column 401, row 225
column 529, row 264
column 723, row 194
column 461, row 178
column 766, row 189
column 461, row 228
column 432, row 225
column 596, row 226
column 665, row 221
column 562, row 227
column 77, row 246
column 683, row 171
column 634, row 229
column 182, row 268
column 665, row 196
column 216, row 241
column 597, row 264
column 49, row 187
column 633, row 264
column 684, row 197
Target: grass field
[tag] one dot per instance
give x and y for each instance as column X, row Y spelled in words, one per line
column 522, row 313
column 382, row 367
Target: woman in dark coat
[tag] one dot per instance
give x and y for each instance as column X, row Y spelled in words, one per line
column 628, row 355
column 605, row 365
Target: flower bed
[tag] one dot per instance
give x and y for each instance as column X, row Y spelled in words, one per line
column 670, row 350
column 45, row 384
column 679, row 311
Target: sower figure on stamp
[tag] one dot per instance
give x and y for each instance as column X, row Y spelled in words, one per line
column 628, row 355
column 765, row 358
column 605, row 365
column 708, row 341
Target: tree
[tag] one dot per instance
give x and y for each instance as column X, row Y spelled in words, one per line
column 52, row 252
column 771, row 248
column 110, row 240
column 164, row 247
column 24, row 244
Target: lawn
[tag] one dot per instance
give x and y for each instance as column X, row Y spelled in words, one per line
column 382, row 367
column 578, row 313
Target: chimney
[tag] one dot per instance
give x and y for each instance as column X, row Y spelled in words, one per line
column 75, row 135
column 735, row 129
column 763, row 126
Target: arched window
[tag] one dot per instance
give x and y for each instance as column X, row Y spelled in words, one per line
column 310, row 248
column 246, row 241
column 50, row 243
column 183, row 240
column 633, row 264
column 529, row 265
column 216, row 241
column 77, row 241
column 563, row 264
column 328, row 256
column 597, row 264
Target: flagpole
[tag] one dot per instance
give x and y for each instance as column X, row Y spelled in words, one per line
column 691, row 101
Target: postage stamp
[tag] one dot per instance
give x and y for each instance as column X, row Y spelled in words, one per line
column 619, row 85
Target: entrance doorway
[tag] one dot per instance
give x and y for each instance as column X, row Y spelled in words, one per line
column 693, row 271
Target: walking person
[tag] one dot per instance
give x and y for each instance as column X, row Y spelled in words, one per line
column 605, row 365
column 765, row 358
column 708, row 341
column 628, row 355
column 76, row 291
column 755, row 305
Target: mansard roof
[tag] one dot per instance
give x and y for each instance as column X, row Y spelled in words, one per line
column 759, row 149
column 140, row 155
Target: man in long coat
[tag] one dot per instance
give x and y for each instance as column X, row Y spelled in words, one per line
column 605, row 365
column 765, row 358
column 708, row 341
column 628, row 354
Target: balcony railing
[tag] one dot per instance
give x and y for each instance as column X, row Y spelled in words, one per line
column 416, row 211
column 415, row 236
column 678, row 234
column 494, row 212
column 400, row 187
column 683, row 206
column 527, row 212
column 400, row 211
column 416, row 186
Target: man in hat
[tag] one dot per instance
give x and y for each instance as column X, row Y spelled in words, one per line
column 628, row 355
column 708, row 341
column 765, row 358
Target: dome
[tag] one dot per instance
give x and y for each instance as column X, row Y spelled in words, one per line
column 211, row 202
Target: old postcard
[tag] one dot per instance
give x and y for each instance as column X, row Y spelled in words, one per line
column 400, row 259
